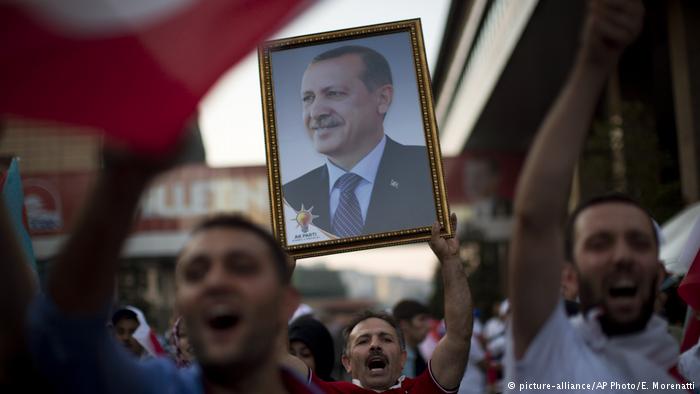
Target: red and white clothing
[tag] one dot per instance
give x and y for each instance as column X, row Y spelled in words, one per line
column 424, row 383
column 689, row 364
column 578, row 352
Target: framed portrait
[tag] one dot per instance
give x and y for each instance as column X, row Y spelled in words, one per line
column 353, row 157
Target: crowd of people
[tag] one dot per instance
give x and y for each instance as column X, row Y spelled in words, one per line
column 234, row 297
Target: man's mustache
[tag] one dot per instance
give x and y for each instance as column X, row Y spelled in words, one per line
column 325, row 121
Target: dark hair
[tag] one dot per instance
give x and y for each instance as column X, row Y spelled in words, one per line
column 408, row 309
column 377, row 71
column 368, row 314
column 597, row 200
column 124, row 313
column 240, row 223
column 316, row 337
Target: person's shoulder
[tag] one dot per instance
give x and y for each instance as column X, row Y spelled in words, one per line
column 410, row 150
column 558, row 343
column 313, row 176
column 295, row 384
column 411, row 159
column 424, row 383
column 164, row 374
column 46, row 321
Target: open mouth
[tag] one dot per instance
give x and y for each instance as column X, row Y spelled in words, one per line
column 222, row 318
column 223, row 322
column 377, row 363
column 623, row 291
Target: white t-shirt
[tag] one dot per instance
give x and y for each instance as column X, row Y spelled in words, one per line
column 493, row 328
column 689, row 364
column 575, row 355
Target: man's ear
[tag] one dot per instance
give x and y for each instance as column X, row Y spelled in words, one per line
column 385, row 94
column 290, row 302
column 346, row 363
column 404, row 357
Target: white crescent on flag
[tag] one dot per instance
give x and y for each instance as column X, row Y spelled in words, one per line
column 135, row 69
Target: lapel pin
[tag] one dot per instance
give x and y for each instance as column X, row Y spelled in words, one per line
column 394, row 184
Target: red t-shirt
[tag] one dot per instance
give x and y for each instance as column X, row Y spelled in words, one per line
column 422, row 384
column 295, row 385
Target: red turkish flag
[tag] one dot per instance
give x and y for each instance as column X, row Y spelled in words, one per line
column 135, row 69
column 689, row 289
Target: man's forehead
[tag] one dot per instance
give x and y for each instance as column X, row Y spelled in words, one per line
column 223, row 240
column 613, row 216
column 348, row 65
column 372, row 325
column 127, row 320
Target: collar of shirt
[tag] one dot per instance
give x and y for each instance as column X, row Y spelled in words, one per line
column 365, row 168
column 653, row 342
column 399, row 381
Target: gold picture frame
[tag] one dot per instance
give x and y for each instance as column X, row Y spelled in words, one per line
column 327, row 98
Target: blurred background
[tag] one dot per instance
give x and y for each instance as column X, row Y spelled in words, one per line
column 496, row 66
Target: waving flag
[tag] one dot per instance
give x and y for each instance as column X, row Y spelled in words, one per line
column 689, row 289
column 135, row 69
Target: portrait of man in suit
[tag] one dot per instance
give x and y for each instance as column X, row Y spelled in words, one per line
column 369, row 183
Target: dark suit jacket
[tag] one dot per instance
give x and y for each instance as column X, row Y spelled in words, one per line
column 402, row 196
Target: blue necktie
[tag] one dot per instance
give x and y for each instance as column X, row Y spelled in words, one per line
column 347, row 221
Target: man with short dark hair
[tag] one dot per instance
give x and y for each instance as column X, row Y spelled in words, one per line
column 414, row 320
column 232, row 290
column 374, row 352
column 611, row 241
column 369, row 183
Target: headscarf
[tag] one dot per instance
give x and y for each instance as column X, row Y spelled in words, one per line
column 316, row 337
column 144, row 335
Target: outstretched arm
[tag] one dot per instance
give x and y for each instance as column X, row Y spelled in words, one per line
column 452, row 352
column 543, row 190
column 82, row 281
column 17, row 287
column 18, row 284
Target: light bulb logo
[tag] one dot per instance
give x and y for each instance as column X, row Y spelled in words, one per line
column 304, row 218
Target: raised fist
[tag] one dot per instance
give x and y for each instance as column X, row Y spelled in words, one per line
column 611, row 25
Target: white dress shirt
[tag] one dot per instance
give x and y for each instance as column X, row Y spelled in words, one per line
column 366, row 169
